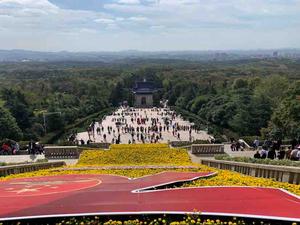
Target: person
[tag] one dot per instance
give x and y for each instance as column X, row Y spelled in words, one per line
column 237, row 146
column 256, row 143
column 30, row 147
column 264, row 152
column 295, row 154
column 281, row 154
column 294, row 143
column 5, row 148
column 298, row 153
column 233, row 146
column 279, row 143
column 81, row 142
column 272, row 154
column 268, row 143
column 257, row 155
column 15, row 148
column 39, row 148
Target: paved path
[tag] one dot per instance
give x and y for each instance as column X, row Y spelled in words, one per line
column 246, row 153
column 20, row 158
column 227, row 150
column 129, row 117
column 69, row 162
column 72, row 195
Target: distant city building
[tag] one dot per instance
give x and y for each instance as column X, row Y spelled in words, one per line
column 275, row 54
column 143, row 94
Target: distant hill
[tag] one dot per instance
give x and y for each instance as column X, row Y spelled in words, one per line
column 108, row 57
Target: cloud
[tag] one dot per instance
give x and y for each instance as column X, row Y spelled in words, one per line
column 150, row 23
column 129, row 2
column 137, row 18
column 104, row 20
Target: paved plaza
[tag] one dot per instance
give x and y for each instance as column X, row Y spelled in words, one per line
column 142, row 125
column 74, row 195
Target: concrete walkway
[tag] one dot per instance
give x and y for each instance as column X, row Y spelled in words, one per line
column 69, row 162
column 131, row 115
column 20, row 158
column 246, row 153
column 227, row 149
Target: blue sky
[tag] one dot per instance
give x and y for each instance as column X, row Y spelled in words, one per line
column 112, row 25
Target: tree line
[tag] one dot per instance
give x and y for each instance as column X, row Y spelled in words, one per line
column 252, row 98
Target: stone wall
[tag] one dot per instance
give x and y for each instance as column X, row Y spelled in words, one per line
column 279, row 173
column 23, row 168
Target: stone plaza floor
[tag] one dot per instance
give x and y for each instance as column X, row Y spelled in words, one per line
column 129, row 117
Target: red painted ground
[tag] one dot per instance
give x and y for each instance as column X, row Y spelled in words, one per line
column 105, row 194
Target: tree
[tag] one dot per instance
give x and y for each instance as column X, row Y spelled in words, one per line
column 198, row 102
column 240, row 83
column 16, row 103
column 272, row 89
column 286, row 116
column 8, row 126
column 117, row 94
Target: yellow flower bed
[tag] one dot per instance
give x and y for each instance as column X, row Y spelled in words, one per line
column 139, row 154
column 163, row 220
column 230, row 178
column 139, row 146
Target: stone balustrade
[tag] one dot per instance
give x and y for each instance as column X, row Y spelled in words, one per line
column 62, row 152
column 206, row 149
column 97, row 145
column 23, row 168
column 279, row 173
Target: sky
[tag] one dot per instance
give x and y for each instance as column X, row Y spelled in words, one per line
column 149, row 25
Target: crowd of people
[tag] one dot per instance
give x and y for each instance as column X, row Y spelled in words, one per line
column 140, row 126
column 35, row 148
column 237, row 145
column 274, row 150
column 10, row 147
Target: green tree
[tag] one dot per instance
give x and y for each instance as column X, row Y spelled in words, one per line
column 272, row 89
column 8, row 126
column 286, row 116
column 16, row 103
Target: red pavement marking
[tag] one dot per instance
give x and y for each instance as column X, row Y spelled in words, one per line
column 45, row 185
column 109, row 194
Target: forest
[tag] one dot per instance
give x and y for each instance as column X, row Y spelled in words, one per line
column 240, row 98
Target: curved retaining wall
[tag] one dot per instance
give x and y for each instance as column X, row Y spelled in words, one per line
column 280, row 173
column 23, row 168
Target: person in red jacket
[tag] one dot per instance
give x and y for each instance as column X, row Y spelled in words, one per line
column 6, row 148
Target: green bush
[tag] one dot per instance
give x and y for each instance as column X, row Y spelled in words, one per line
column 284, row 162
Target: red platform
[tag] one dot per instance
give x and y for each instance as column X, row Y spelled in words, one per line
column 70, row 195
